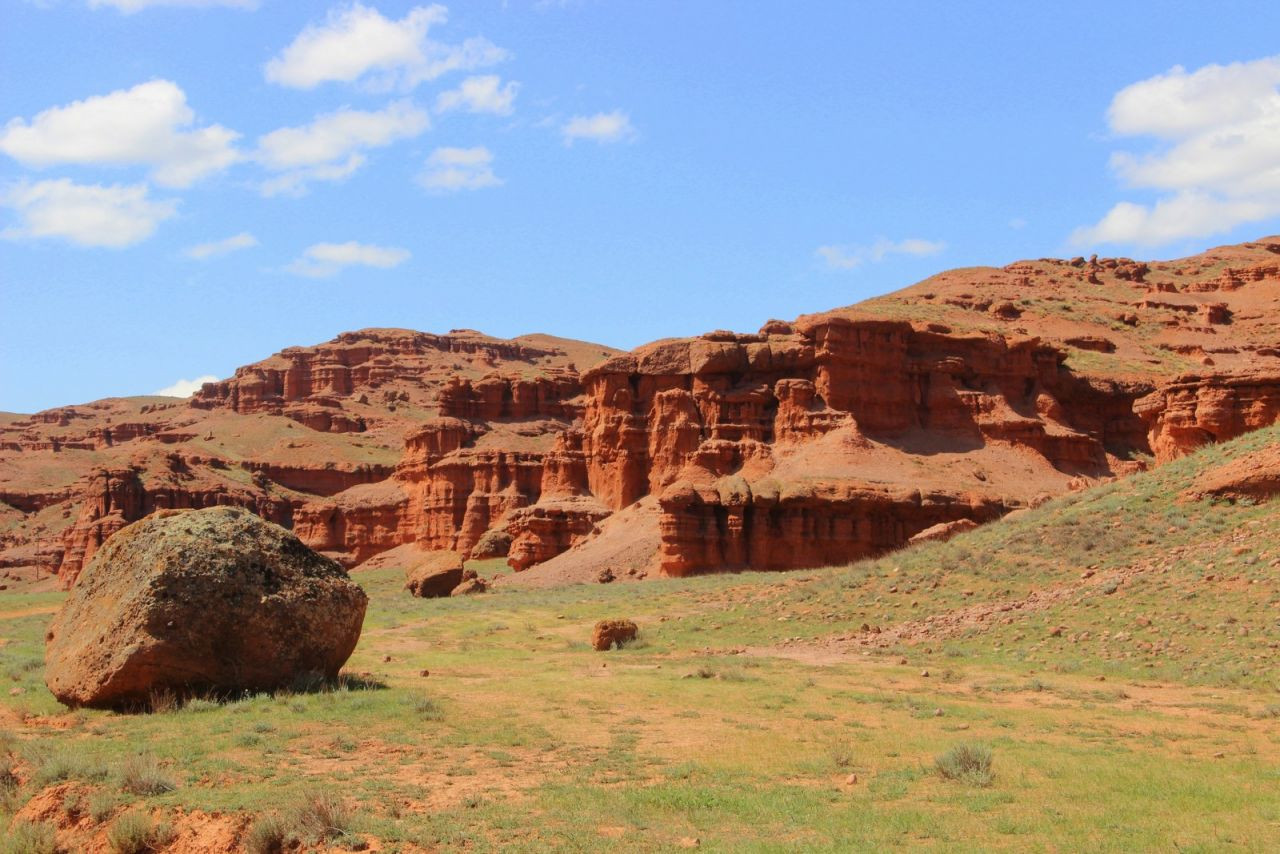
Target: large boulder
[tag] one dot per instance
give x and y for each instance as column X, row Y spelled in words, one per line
column 213, row 600
column 436, row 574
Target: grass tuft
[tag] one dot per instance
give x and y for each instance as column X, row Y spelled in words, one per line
column 966, row 763
column 136, row 833
column 142, row 775
column 27, row 837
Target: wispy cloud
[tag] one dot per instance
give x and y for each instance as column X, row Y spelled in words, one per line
column 356, row 44
column 329, row 149
column 112, row 216
column 323, row 260
column 849, row 257
column 216, row 248
column 186, row 388
column 128, row 7
column 601, row 127
column 149, row 125
column 483, row 94
column 451, row 169
column 1217, row 163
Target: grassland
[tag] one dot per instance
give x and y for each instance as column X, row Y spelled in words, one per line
column 1114, row 654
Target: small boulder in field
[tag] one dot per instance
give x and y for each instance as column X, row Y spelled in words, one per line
column 201, row 600
column 492, row 543
column 471, row 583
column 611, row 633
column 435, row 575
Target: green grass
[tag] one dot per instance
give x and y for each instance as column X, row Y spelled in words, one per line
column 751, row 715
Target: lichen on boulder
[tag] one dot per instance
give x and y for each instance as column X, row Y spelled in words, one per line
column 213, row 600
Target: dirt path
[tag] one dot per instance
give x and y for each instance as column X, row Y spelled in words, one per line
column 29, row 612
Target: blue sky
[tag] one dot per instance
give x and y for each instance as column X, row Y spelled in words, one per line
column 188, row 186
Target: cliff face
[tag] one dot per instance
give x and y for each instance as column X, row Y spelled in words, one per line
column 723, row 429
column 354, row 442
column 813, row 442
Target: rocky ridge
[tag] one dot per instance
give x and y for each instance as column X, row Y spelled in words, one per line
column 811, row 442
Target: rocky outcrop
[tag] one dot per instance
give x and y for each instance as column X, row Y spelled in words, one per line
column 708, row 425
column 390, row 366
column 819, row 440
column 1252, row 477
column 202, row 601
column 1197, row 410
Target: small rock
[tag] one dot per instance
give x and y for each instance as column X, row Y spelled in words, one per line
column 424, row 673
column 689, row 842
column 851, row 780
column 924, row 673
column 937, row 713
column 610, row 633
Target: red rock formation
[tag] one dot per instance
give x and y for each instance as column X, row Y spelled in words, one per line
column 812, row 441
column 1196, row 410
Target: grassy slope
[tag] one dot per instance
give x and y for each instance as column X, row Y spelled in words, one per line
column 1147, row 721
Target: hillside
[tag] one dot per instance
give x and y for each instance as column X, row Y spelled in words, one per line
column 814, row 442
column 1114, row 650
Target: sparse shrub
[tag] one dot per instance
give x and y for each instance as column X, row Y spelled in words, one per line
column 55, row 766
column 142, row 775
column 268, row 835
column 201, row 704
column 319, row 815
column 102, row 804
column 27, row 837
column 841, row 753
column 162, row 700
column 966, row 763
column 426, row 708
column 136, row 833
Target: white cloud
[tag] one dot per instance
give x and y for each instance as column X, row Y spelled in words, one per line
column 451, row 169
column 328, row 149
column 483, row 94
column 216, row 248
column 149, row 125
column 356, row 43
column 847, row 257
column 1218, row 156
column 602, row 127
column 323, row 260
column 86, row 215
column 128, row 7
column 185, row 388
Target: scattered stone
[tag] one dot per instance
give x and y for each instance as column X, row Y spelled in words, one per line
column 471, row 583
column 435, row 575
column 605, row 576
column 851, row 780
column 203, row 600
column 612, row 633
column 924, row 673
